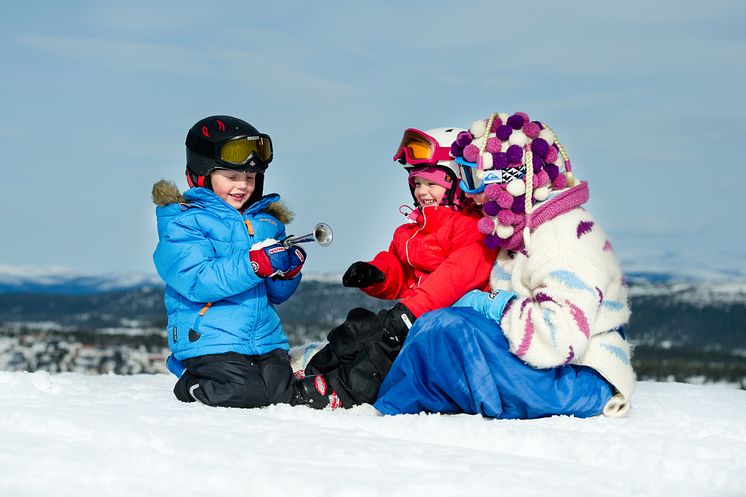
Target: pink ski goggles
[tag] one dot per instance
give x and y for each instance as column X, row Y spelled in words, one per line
column 417, row 147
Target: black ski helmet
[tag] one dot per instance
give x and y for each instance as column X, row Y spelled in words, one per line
column 225, row 142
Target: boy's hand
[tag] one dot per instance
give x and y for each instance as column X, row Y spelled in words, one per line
column 277, row 260
column 361, row 274
column 297, row 258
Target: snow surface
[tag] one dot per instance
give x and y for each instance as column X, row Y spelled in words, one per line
column 75, row 435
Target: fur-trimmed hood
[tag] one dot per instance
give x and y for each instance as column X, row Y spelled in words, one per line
column 166, row 192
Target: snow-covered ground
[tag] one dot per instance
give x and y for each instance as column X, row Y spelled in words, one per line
column 74, row 435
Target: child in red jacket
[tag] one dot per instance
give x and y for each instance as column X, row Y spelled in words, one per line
column 432, row 261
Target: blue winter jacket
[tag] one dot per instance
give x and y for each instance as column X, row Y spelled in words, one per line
column 215, row 301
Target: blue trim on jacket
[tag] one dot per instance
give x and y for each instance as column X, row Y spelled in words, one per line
column 203, row 256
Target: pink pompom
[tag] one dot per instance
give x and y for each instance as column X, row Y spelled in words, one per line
column 494, row 145
column 551, row 157
column 471, row 152
column 504, row 199
column 497, row 122
column 506, row 217
column 531, row 130
column 491, row 191
column 541, row 179
column 560, row 181
column 486, row 226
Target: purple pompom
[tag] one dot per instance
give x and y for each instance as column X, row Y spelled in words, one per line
column 492, row 242
column 515, row 121
column 486, row 226
column 494, row 145
column 538, row 123
column 506, row 217
column 519, row 206
column 491, row 208
column 538, row 163
column 499, row 160
column 491, row 191
column 552, row 170
column 504, row 199
column 552, row 155
column 540, row 147
column 464, row 138
column 503, row 132
column 456, row 151
column 531, row 130
column 515, row 154
column 471, row 153
column 524, row 116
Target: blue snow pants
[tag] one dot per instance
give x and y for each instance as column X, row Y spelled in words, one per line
column 455, row 360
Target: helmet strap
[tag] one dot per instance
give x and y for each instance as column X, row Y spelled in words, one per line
column 194, row 180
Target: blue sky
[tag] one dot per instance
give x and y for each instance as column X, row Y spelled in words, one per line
column 96, row 99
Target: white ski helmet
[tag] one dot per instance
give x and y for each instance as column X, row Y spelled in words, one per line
column 431, row 148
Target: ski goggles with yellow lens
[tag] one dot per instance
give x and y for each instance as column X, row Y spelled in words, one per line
column 417, row 147
column 239, row 151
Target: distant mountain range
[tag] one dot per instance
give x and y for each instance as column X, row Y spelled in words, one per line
column 683, row 328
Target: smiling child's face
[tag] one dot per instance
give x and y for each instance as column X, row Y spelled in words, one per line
column 235, row 187
column 428, row 193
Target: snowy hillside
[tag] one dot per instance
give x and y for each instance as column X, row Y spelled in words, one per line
column 31, row 279
column 74, row 435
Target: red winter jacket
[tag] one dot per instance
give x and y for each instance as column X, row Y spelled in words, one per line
column 434, row 261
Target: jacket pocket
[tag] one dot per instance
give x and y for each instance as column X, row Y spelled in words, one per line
column 194, row 333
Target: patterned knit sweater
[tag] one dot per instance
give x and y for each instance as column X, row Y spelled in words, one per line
column 571, row 299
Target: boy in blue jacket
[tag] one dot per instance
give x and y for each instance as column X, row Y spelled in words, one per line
column 220, row 255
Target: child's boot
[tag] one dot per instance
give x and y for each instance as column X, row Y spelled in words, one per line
column 314, row 391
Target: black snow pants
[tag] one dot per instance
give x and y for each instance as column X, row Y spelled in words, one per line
column 357, row 358
column 237, row 380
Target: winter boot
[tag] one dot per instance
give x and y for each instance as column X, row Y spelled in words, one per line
column 314, row 391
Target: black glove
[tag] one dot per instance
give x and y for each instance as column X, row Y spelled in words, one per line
column 361, row 274
column 395, row 323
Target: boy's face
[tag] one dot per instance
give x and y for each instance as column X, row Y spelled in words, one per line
column 235, row 187
column 428, row 193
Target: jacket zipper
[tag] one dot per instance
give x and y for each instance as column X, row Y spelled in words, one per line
column 406, row 245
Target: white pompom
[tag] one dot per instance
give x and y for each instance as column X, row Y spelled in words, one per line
column 478, row 128
column 560, row 162
column 503, row 117
column 547, row 135
column 541, row 193
column 518, row 138
column 486, row 160
column 516, row 187
column 504, row 231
